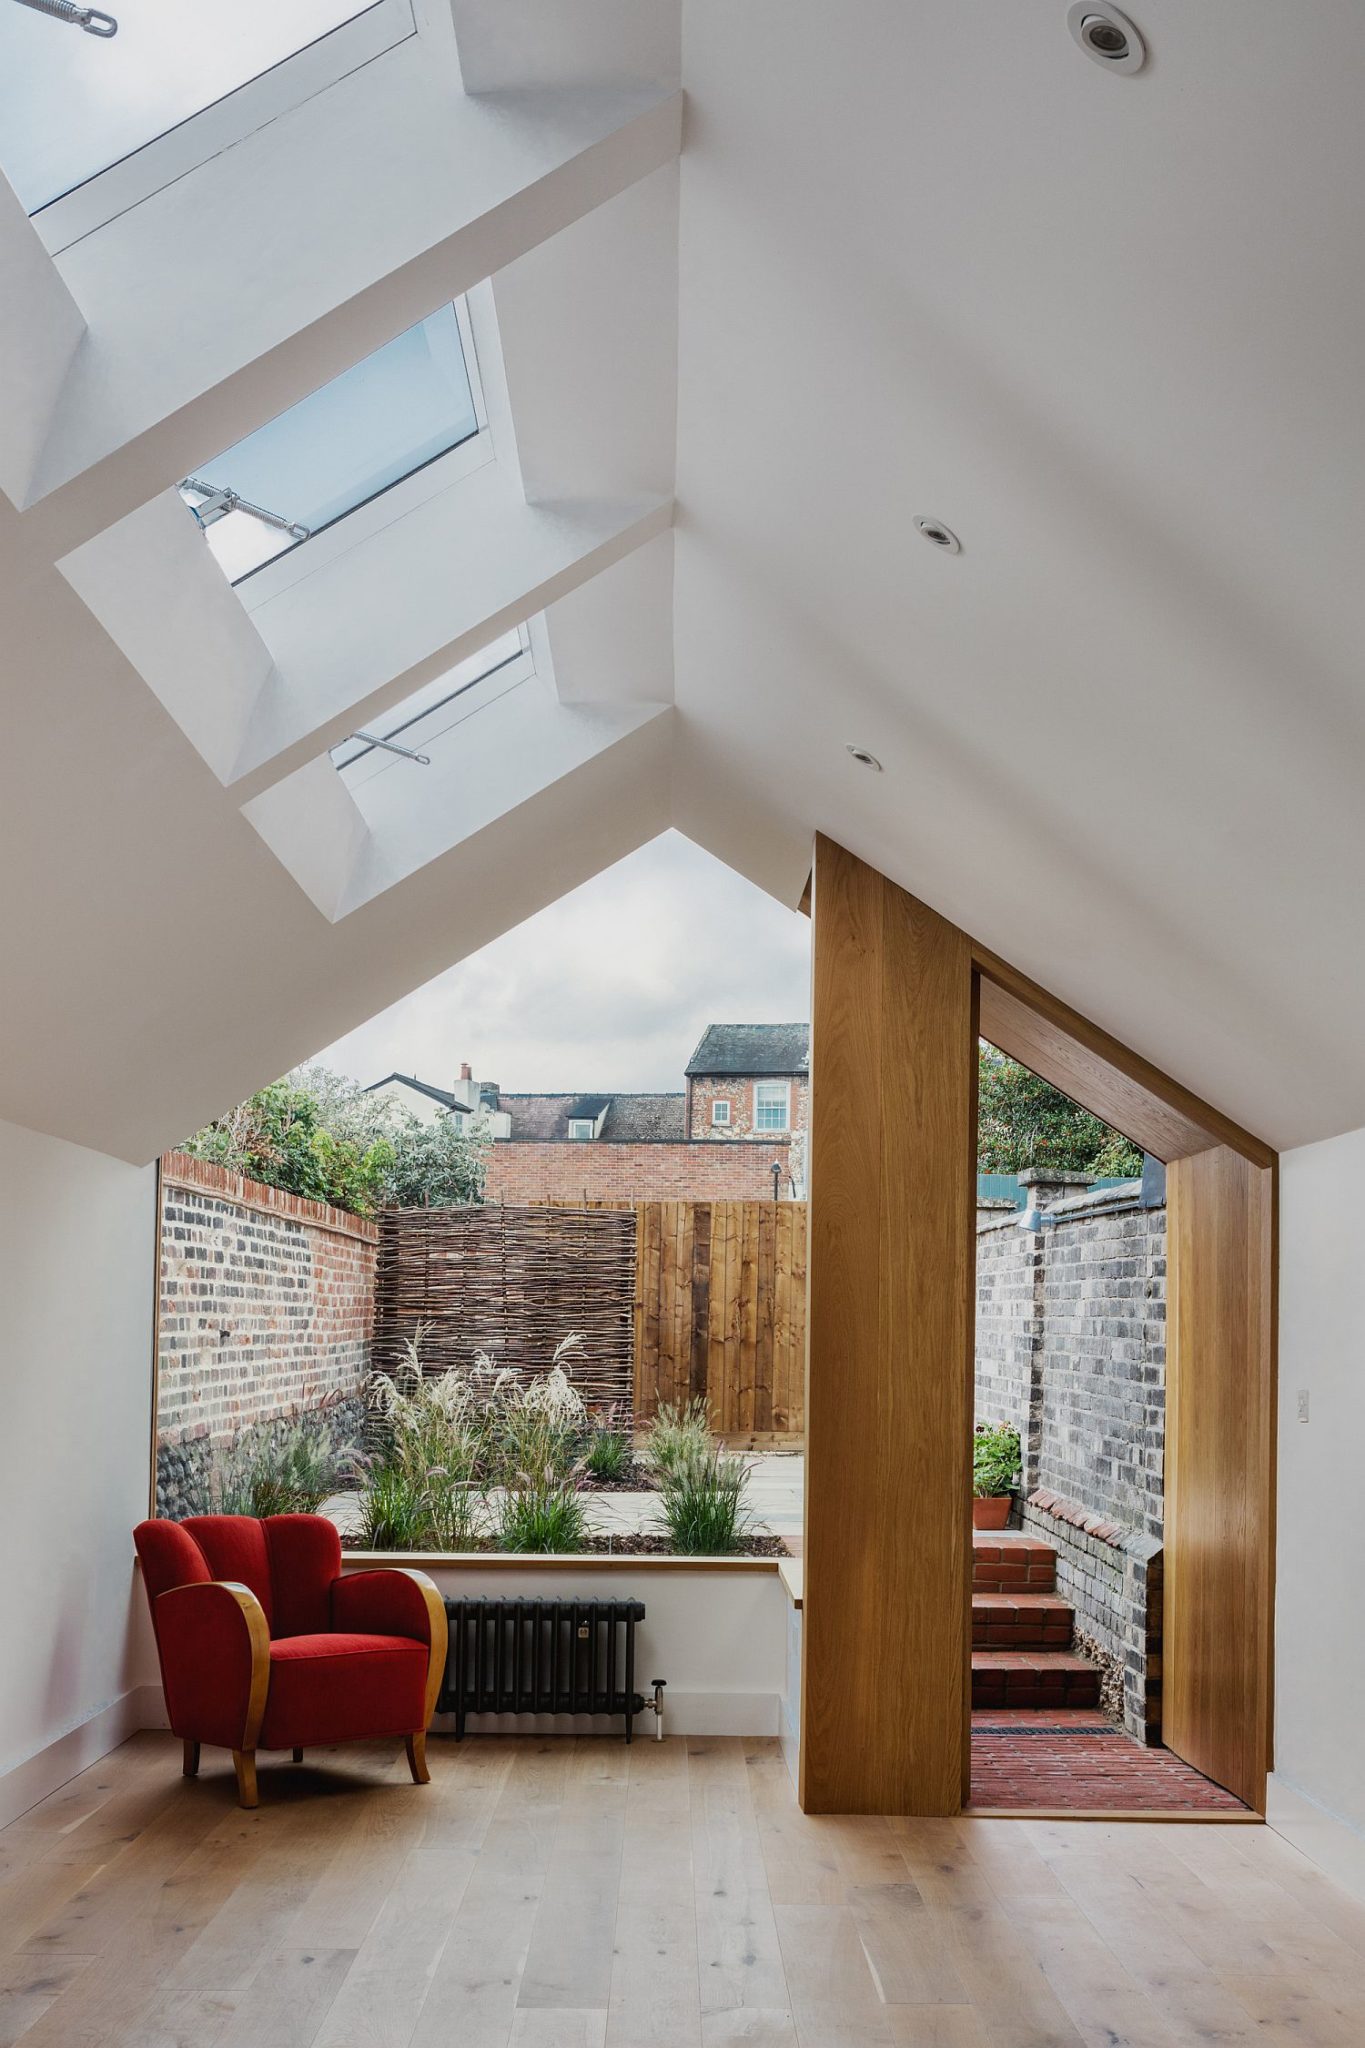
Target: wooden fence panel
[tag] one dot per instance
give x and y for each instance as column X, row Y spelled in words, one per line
column 675, row 1300
column 720, row 1313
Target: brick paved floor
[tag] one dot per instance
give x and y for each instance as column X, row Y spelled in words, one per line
column 1078, row 1760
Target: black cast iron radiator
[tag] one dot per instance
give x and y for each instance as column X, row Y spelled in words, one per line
column 543, row 1657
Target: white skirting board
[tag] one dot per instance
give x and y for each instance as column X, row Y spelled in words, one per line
column 1325, row 1838
column 686, row 1713
column 80, row 1747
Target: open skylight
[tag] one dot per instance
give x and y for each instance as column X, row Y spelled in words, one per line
column 398, row 410
column 403, row 735
column 72, row 104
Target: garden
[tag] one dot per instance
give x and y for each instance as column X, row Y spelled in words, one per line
column 481, row 1459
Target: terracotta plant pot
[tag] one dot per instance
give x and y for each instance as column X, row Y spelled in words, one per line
column 991, row 1510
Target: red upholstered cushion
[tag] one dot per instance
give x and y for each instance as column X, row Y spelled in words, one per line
column 170, row 1557
column 343, row 1688
column 305, row 1557
column 381, row 1603
column 234, row 1548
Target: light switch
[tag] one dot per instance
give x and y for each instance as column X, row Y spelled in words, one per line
column 1303, row 1404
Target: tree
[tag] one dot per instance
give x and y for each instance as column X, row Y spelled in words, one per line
column 1024, row 1121
column 440, row 1163
column 319, row 1135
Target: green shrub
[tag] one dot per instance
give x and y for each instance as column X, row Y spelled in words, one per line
column 676, row 1436
column 995, row 1459
column 701, row 1500
column 541, row 1513
column 606, row 1455
column 395, row 1514
column 288, row 1472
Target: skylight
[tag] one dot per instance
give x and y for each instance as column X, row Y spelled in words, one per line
column 72, row 104
column 403, row 734
column 399, row 409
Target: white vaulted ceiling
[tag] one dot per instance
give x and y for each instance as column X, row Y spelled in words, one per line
column 869, row 263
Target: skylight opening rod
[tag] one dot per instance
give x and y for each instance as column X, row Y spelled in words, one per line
column 372, row 739
column 219, row 501
column 91, row 19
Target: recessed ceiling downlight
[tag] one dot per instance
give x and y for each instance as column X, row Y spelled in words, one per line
column 940, row 535
column 864, row 759
column 1107, row 36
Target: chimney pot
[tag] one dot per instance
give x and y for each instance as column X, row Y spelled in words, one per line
column 466, row 1071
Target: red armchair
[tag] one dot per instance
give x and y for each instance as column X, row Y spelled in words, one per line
column 264, row 1645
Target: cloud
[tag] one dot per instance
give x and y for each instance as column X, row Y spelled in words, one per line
column 608, row 989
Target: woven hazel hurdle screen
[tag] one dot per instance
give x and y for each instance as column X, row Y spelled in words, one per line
column 511, row 1281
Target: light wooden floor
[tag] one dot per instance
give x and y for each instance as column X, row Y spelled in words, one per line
column 568, row 1894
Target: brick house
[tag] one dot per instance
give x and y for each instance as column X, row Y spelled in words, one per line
column 746, row 1083
column 749, row 1081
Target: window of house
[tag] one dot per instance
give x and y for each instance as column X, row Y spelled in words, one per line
column 178, row 81
column 772, row 1105
column 386, row 417
column 720, row 1112
column 580, row 1127
column 403, row 734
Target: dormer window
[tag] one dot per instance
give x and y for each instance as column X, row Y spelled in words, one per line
column 581, row 1127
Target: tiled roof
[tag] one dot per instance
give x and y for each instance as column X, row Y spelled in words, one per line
column 441, row 1095
column 752, row 1049
column 629, row 1118
column 645, row 1117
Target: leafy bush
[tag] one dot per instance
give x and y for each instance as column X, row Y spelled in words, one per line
column 395, row 1514
column 316, row 1134
column 701, row 1500
column 473, row 1453
column 995, row 1459
column 287, row 1471
column 540, row 1512
column 606, row 1455
column 676, row 1436
column 1023, row 1120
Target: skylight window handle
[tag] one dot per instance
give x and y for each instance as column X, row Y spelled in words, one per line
column 371, row 739
column 219, row 500
column 91, row 19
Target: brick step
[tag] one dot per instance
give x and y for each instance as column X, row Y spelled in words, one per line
column 1021, row 1621
column 1009, row 1561
column 1033, row 1678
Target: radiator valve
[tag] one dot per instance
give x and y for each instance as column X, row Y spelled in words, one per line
column 658, row 1705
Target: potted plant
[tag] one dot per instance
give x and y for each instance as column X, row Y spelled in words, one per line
column 995, row 1473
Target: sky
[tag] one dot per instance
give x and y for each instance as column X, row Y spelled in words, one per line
column 608, row 989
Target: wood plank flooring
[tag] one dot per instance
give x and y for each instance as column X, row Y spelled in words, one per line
column 577, row 1894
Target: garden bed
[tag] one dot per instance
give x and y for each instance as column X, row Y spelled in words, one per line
column 627, row 1543
column 636, row 1478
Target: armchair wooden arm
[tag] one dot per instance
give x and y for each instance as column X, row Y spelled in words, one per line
column 398, row 1600
column 216, row 1681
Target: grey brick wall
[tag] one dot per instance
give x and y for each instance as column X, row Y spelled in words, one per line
column 1071, row 1348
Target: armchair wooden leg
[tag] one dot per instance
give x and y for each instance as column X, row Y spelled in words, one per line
column 190, row 1766
column 417, row 1758
column 298, row 1756
column 244, row 1763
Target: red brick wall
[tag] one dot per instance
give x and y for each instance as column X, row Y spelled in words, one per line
column 524, row 1170
column 738, row 1091
column 266, row 1305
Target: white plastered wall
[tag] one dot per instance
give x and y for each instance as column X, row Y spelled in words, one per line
column 1317, row 1791
column 77, row 1232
